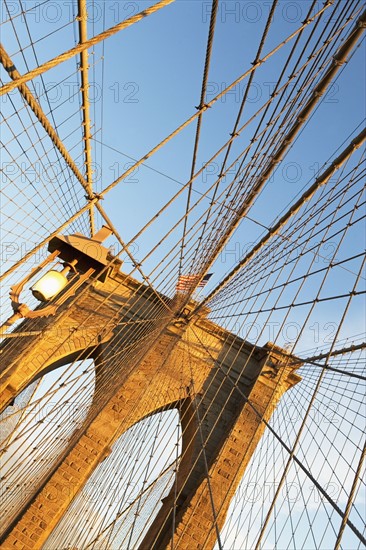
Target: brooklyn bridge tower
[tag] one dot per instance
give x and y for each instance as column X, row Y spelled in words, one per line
column 182, row 353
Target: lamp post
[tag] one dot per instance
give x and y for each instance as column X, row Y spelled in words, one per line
column 51, row 284
column 82, row 258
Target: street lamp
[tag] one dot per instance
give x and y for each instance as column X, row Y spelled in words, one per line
column 50, row 285
column 84, row 256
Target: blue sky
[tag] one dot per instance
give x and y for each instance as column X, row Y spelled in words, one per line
column 146, row 80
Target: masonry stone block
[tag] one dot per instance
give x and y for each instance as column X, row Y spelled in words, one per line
column 220, row 427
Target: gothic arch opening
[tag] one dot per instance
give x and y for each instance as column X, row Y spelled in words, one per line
column 123, row 495
column 36, row 428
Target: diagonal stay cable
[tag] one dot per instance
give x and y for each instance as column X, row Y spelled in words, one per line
column 351, row 497
column 338, row 60
column 24, row 90
column 214, row 100
column 17, row 112
column 273, row 95
column 37, row 109
column 322, row 179
column 129, row 506
column 314, row 360
column 211, row 32
column 239, row 115
column 296, row 86
column 85, row 45
column 292, row 456
column 85, row 106
column 97, row 197
column 347, row 349
column 125, row 249
column 165, row 175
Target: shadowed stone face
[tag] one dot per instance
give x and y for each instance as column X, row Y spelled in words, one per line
column 220, row 429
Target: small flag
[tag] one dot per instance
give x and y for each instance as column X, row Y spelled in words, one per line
column 186, row 282
column 205, row 280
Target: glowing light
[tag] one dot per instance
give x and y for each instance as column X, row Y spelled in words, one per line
column 49, row 285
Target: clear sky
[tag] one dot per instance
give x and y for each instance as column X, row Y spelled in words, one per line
column 145, row 81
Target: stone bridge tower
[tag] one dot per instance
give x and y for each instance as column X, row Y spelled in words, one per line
column 119, row 322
